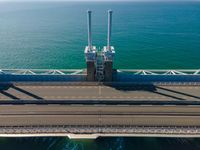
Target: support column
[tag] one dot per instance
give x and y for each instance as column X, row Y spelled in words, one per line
column 90, row 51
column 108, row 52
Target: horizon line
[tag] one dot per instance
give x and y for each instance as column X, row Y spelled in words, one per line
column 100, row 1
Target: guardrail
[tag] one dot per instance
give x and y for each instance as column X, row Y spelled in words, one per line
column 79, row 75
column 83, row 71
column 152, row 76
column 42, row 75
column 43, row 71
column 161, row 71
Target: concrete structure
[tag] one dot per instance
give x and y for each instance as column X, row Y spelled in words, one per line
column 90, row 52
column 86, row 121
column 108, row 51
column 99, row 67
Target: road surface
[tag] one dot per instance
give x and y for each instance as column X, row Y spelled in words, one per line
column 100, row 92
column 99, row 115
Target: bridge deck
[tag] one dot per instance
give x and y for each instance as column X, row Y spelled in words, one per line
column 41, row 115
column 100, row 92
column 90, row 117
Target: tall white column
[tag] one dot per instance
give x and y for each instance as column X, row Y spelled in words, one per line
column 109, row 28
column 89, row 22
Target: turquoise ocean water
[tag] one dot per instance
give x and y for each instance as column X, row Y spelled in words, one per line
column 145, row 35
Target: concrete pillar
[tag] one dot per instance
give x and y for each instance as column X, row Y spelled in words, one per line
column 90, row 71
column 109, row 28
column 108, row 52
column 90, row 51
column 108, row 67
column 89, row 23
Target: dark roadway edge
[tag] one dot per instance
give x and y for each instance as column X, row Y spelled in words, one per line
column 98, row 126
column 114, row 83
column 100, row 102
column 185, row 114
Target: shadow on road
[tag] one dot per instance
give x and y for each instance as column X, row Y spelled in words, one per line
column 178, row 92
column 149, row 87
column 3, row 91
column 26, row 92
column 134, row 87
column 9, row 95
column 5, row 87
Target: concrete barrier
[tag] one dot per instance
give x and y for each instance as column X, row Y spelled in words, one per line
column 42, row 78
column 128, row 77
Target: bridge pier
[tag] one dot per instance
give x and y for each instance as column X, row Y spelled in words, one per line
column 90, row 71
column 90, row 52
column 108, row 52
column 97, row 68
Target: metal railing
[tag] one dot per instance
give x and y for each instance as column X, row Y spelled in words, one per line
column 83, row 71
column 161, row 71
column 79, row 75
column 43, row 71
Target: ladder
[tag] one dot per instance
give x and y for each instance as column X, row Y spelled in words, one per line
column 99, row 67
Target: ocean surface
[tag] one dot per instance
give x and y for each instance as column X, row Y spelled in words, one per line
column 149, row 35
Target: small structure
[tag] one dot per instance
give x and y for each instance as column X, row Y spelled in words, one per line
column 90, row 51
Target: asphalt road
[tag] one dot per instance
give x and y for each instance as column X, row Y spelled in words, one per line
column 30, row 115
column 100, row 92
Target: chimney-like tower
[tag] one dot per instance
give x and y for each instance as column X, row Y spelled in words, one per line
column 89, row 23
column 109, row 28
column 108, row 51
column 90, row 51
